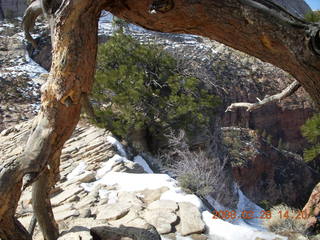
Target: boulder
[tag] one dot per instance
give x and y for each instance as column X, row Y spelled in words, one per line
column 167, row 205
column 190, row 219
column 150, row 195
column 161, row 219
column 112, row 211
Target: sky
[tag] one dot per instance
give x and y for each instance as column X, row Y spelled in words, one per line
column 314, row 4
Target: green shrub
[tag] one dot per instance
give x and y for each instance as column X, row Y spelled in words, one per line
column 140, row 87
column 312, row 16
column 311, row 131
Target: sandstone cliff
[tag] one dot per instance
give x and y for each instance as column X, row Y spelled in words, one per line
column 12, row 8
column 296, row 7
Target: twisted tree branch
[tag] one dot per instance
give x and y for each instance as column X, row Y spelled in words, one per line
column 29, row 18
column 292, row 88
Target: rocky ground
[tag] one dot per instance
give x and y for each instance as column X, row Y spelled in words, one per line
column 20, row 90
column 100, row 186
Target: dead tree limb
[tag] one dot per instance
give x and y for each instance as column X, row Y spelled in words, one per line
column 288, row 91
column 29, row 18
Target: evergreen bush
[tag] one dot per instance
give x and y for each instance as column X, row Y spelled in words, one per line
column 312, row 16
column 140, row 87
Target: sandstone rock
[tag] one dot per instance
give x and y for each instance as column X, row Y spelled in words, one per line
column 128, row 218
column 62, row 208
column 190, row 219
column 283, row 178
column 68, row 193
column 130, row 197
column 128, row 167
column 112, row 211
column 163, row 204
column 66, row 214
column 85, row 177
column 12, row 8
column 85, row 213
column 87, row 201
column 312, row 207
column 161, row 219
column 150, row 195
column 25, row 221
column 76, row 234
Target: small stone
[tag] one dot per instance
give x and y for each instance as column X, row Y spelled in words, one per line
column 85, row 213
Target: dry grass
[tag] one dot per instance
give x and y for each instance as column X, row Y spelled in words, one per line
column 282, row 222
column 195, row 171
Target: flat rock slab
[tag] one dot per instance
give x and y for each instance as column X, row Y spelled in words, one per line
column 60, row 216
column 190, row 219
column 112, row 211
column 83, row 235
column 164, row 204
column 65, row 195
column 151, row 195
column 161, row 219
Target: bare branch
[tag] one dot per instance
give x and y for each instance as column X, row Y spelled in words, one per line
column 29, row 18
column 292, row 88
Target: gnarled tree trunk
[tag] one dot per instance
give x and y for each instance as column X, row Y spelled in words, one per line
column 256, row 27
column 74, row 53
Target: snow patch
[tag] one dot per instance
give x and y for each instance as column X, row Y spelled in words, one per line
column 140, row 160
column 178, row 195
column 118, row 145
column 107, row 166
column 228, row 231
column 77, row 171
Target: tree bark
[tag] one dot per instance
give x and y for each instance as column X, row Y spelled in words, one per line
column 71, row 77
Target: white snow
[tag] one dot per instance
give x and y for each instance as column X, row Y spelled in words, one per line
column 140, row 160
column 107, row 166
column 24, row 67
column 216, row 228
column 118, row 145
column 228, row 231
column 77, row 171
column 178, row 195
column 8, row 25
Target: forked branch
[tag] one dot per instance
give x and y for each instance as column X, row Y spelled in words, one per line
column 292, row 88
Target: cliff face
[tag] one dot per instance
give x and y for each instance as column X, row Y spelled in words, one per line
column 296, row 7
column 268, row 175
column 12, row 8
